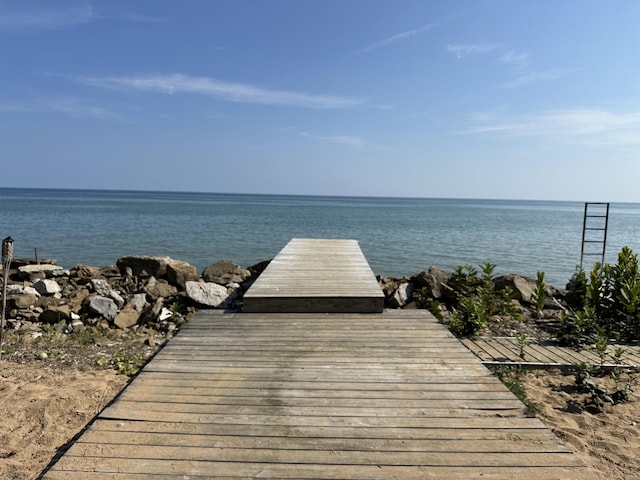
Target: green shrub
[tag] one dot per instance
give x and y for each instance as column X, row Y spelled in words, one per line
column 610, row 302
column 477, row 300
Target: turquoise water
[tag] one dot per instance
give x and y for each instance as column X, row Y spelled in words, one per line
column 399, row 236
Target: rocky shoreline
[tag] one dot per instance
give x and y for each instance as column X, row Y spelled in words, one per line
column 155, row 295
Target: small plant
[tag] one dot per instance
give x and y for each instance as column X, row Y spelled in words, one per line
column 126, row 361
column 601, row 344
column 539, row 295
column 423, row 300
column 613, row 389
column 522, row 343
column 511, row 377
column 577, row 328
column 469, row 318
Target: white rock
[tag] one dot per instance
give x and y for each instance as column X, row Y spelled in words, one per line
column 47, row 287
column 207, row 294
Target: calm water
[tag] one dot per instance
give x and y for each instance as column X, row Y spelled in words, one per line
column 399, row 236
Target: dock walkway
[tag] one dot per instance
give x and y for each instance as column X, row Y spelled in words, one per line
column 316, row 275
column 316, row 396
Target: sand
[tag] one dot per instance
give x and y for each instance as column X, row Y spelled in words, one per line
column 608, row 441
column 42, row 408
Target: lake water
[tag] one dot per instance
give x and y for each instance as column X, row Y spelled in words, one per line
column 399, row 236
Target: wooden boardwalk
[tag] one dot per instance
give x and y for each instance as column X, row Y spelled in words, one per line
column 316, row 275
column 545, row 353
column 316, row 396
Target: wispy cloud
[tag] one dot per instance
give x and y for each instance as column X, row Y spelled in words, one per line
column 232, row 92
column 516, row 59
column 54, row 19
column 349, row 140
column 589, row 126
column 461, row 51
column 70, row 106
column 59, row 19
column 398, row 37
column 531, row 78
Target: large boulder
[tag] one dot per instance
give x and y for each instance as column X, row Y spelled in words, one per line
column 33, row 272
column 523, row 287
column 179, row 273
column 127, row 317
column 225, row 272
column 103, row 306
column 435, row 280
column 143, row 266
column 208, row 294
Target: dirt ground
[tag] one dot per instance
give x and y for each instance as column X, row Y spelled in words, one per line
column 45, row 400
column 42, row 408
column 607, row 440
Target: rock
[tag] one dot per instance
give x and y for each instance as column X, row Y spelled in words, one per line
column 46, row 302
column 207, row 294
column 102, row 288
column 110, row 271
column 225, row 272
column 53, row 314
column 139, row 301
column 127, row 317
column 144, row 266
column 159, row 289
column 434, row 280
column 77, row 299
column 103, row 306
column 47, row 287
column 151, row 313
column 36, row 271
column 165, row 314
column 86, row 271
column 24, row 300
column 522, row 287
column 402, row 295
column 179, row 273
column 388, row 285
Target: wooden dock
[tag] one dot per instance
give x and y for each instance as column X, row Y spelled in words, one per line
column 546, row 353
column 316, row 396
column 316, row 276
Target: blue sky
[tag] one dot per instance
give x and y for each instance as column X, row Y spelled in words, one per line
column 473, row 99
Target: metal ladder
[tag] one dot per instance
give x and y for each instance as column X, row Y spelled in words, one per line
column 594, row 230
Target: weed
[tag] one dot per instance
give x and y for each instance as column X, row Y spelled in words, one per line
column 522, row 343
column 125, row 361
column 539, row 295
column 511, row 377
column 603, row 389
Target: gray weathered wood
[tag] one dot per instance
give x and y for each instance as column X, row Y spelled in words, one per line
column 313, row 396
column 316, row 275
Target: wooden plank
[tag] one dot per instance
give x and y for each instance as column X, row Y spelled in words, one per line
column 540, row 354
column 315, row 275
column 357, row 403
column 138, row 469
